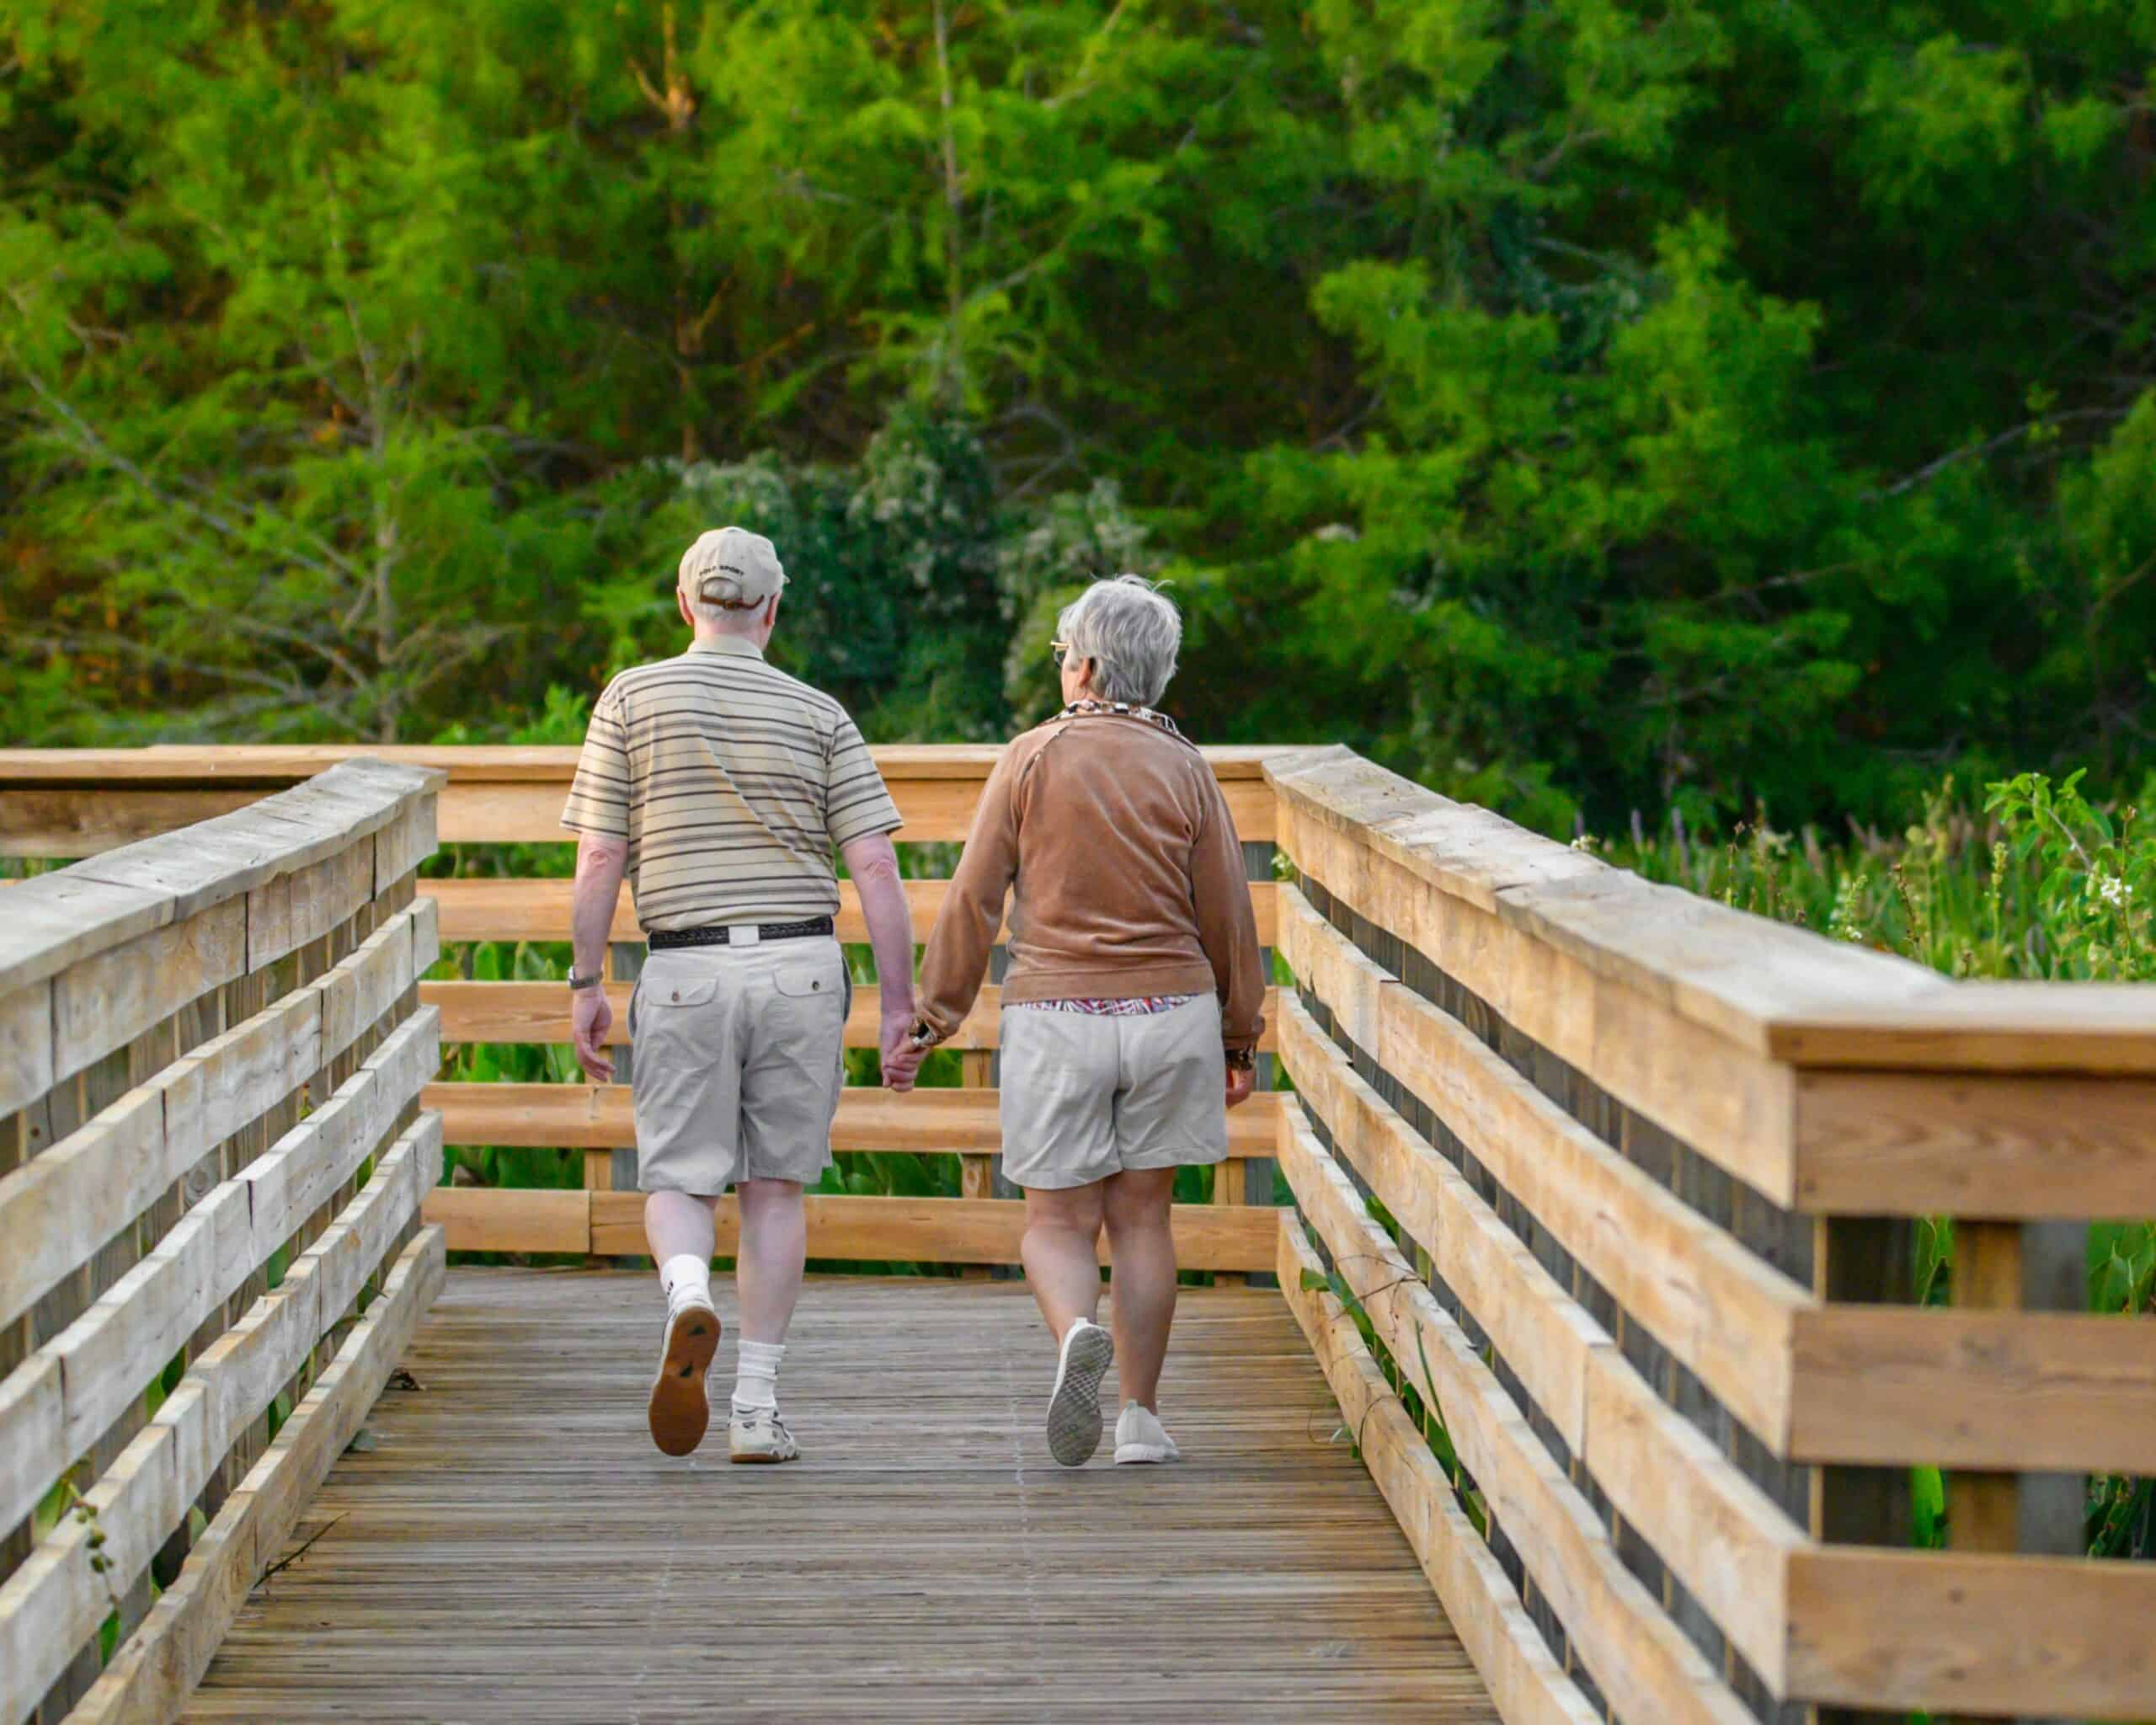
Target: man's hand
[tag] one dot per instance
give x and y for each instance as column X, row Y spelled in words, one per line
column 591, row 1014
column 901, row 1059
column 1242, row 1082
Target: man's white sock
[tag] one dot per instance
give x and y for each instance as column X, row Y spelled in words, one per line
column 685, row 1277
column 757, row 1385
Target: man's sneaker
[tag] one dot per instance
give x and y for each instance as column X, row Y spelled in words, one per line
column 1140, row 1436
column 1074, row 1410
column 759, row 1435
column 680, row 1411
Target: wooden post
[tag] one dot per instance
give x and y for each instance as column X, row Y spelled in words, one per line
column 2011, row 1266
column 976, row 1174
column 1865, row 1260
column 1250, row 1182
column 616, row 1170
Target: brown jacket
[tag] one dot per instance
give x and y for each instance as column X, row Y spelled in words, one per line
column 1129, row 878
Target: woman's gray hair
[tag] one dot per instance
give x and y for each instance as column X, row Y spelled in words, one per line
column 1130, row 630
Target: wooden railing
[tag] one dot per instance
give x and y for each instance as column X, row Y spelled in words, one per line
column 60, row 802
column 1621, row 1183
column 1610, row 1187
column 212, row 1158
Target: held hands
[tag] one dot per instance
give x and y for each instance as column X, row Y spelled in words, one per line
column 901, row 1059
column 591, row 1015
column 1242, row 1082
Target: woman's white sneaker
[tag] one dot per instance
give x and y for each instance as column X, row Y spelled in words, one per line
column 1140, row 1436
column 1074, row 1410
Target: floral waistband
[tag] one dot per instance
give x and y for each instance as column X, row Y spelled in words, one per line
column 1136, row 1006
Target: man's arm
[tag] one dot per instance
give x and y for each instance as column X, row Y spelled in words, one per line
column 601, row 863
column 874, row 866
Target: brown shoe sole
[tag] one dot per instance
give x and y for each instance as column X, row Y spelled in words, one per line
column 680, row 1411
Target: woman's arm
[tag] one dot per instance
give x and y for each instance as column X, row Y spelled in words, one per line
column 1227, row 926
column 956, row 959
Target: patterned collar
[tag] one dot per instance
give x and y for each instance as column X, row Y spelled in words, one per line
column 1123, row 709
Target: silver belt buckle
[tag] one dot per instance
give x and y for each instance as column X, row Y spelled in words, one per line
column 744, row 934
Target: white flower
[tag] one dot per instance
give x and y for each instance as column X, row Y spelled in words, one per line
column 2111, row 889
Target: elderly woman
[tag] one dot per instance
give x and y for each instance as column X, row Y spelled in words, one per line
column 1132, row 1007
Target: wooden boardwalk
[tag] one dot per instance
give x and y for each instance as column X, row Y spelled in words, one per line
column 511, row 1547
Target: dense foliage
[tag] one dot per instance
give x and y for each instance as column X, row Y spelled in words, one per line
column 1600, row 404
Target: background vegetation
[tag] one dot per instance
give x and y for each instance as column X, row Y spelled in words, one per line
column 1583, row 405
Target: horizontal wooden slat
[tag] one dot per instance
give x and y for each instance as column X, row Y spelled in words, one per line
column 88, row 823
column 270, row 764
column 539, row 1011
column 1722, row 1311
column 155, row 1669
column 1963, row 1633
column 484, row 909
column 597, row 1117
column 55, row 1601
column 1716, row 1530
column 81, row 802
column 59, row 1208
column 1734, row 1106
column 1779, row 992
column 1526, row 1684
column 108, row 1355
column 2028, row 1392
column 887, row 1229
column 538, row 1219
column 1976, row 1146
column 59, row 920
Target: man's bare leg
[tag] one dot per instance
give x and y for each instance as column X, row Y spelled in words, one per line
column 767, row 1275
column 678, row 1226
column 774, row 1247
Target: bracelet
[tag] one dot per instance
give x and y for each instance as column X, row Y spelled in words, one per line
column 579, row 984
column 923, row 1035
column 1241, row 1059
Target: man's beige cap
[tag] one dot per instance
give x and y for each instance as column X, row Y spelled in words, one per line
column 732, row 566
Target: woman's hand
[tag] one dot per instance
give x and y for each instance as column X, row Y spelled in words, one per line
column 1242, row 1082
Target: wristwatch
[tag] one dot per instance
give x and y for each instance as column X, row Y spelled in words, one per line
column 922, row 1036
column 1241, row 1059
column 579, row 984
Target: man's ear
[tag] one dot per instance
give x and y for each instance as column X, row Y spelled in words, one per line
column 682, row 605
column 770, row 613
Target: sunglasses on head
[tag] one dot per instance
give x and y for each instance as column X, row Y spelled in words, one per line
column 1060, row 650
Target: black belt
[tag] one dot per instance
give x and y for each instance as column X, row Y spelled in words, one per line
column 661, row 938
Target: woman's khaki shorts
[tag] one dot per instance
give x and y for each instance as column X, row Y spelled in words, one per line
column 736, row 1062
column 1084, row 1097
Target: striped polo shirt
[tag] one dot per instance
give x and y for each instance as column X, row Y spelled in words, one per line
column 732, row 782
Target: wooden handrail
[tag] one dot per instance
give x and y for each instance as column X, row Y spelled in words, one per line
column 158, row 1169
column 1646, row 1153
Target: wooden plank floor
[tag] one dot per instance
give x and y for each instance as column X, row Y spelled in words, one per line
column 513, row 1548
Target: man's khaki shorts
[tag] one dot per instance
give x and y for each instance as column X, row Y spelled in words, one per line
column 736, row 1062
column 1084, row 1096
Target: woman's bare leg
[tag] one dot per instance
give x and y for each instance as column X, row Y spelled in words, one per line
column 1062, row 1267
column 1143, row 1280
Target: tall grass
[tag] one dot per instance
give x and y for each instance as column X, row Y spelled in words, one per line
column 2029, row 881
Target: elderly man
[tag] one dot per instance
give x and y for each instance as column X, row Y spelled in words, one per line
column 720, row 786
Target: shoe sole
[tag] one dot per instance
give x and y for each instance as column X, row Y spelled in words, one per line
column 1074, row 1410
column 763, row 1461
column 680, row 1411
column 1138, row 1455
